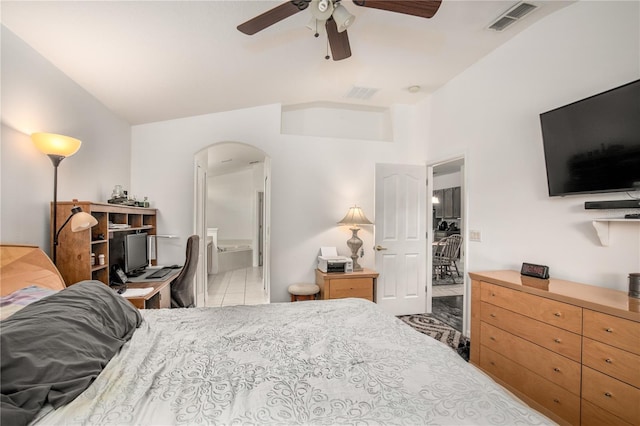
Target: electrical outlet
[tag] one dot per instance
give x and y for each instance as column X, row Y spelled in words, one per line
column 474, row 235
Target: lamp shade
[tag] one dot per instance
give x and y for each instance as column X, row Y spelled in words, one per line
column 342, row 17
column 81, row 221
column 52, row 144
column 355, row 216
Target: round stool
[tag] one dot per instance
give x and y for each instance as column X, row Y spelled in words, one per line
column 303, row 292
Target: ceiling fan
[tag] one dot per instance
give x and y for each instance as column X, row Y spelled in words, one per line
column 336, row 18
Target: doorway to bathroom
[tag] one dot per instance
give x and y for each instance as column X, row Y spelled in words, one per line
column 237, row 220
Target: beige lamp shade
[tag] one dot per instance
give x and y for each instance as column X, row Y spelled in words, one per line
column 52, row 144
column 354, row 217
column 81, row 221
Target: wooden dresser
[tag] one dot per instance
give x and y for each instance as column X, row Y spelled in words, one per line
column 336, row 285
column 571, row 351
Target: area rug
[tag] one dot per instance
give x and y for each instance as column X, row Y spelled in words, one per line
column 426, row 324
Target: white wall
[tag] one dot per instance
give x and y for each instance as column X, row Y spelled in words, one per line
column 450, row 180
column 230, row 205
column 37, row 97
column 491, row 113
column 314, row 181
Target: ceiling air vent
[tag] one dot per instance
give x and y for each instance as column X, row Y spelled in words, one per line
column 512, row 15
column 362, row 93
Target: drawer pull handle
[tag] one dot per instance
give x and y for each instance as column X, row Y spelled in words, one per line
column 492, row 315
column 558, row 314
column 556, row 400
column 557, row 340
column 492, row 338
column 608, row 361
column 608, row 394
column 556, row 369
column 609, row 330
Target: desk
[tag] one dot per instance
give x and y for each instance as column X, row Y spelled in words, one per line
column 160, row 297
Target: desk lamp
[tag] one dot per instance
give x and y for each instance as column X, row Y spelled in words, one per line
column 353, row 218
column 57, row 148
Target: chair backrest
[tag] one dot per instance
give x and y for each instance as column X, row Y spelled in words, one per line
column 182, row 294
column 452, row 246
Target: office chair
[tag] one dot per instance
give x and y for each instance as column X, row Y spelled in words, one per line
column 182, row 294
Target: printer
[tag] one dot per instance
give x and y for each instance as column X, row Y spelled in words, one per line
column 329, row 261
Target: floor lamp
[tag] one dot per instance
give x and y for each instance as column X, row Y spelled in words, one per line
column 353, row 218
column 57, row 148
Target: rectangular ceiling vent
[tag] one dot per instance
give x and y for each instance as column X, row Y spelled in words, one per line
column 512, row 15
column 362, row 93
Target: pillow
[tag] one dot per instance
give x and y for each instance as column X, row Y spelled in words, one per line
column 53, row 349
column 12, row 303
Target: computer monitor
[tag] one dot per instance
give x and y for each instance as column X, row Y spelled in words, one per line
column 136, row 253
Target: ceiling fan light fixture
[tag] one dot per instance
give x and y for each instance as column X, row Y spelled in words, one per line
column 321, row 9
column 343, row 18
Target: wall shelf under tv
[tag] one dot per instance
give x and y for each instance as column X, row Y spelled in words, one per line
column 602, row 227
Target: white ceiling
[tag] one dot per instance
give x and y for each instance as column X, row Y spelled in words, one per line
column 157, row 60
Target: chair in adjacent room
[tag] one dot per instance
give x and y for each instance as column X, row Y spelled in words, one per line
column 182, row 294
column 445, row 258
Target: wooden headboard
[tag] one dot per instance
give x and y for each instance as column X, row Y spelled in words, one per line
column 21, row 266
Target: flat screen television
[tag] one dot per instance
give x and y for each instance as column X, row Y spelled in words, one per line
column 593, row 145
column 136, row 253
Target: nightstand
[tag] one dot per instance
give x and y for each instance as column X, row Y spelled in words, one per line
column 338, row 285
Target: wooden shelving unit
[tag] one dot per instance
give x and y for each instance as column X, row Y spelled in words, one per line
column 75, row 248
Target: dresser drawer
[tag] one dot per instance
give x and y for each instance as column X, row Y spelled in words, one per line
column 612, row 361
column 553, row 367
column 351, row 287
column 560, row 401
column 559, row 314
column 592, row 415
column 553, row 338
column 612, row 395
column 614, row 331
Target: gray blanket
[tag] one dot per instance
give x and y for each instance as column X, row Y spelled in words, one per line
column 54, row 348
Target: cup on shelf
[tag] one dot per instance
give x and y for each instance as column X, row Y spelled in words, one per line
column 101, row 259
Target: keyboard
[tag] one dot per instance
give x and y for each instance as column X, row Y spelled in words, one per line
column 160, row 273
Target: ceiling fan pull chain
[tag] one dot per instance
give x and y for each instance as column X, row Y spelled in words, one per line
column 327, row 57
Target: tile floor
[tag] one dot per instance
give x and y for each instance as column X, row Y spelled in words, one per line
column 448, row 290
column 238, row 287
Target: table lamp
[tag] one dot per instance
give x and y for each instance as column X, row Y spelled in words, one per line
column 353, row 218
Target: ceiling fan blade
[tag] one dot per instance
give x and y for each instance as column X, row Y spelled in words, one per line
column 272, row 16
column 421, row 8
column 339, row 42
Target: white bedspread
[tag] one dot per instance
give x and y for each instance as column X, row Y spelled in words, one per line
column 323, row 362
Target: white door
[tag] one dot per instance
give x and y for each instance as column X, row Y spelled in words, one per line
column 400, row 238
column 266, row 206
column 201, row 230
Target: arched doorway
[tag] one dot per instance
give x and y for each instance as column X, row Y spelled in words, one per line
column 233, row 199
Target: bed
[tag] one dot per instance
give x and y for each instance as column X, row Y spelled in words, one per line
column 319, row 362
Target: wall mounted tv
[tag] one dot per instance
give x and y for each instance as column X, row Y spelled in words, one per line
column 593, row 145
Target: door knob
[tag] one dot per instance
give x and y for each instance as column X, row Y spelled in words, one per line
column 379, row 247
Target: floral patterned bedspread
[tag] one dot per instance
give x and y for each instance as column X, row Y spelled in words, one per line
column 322, row 362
